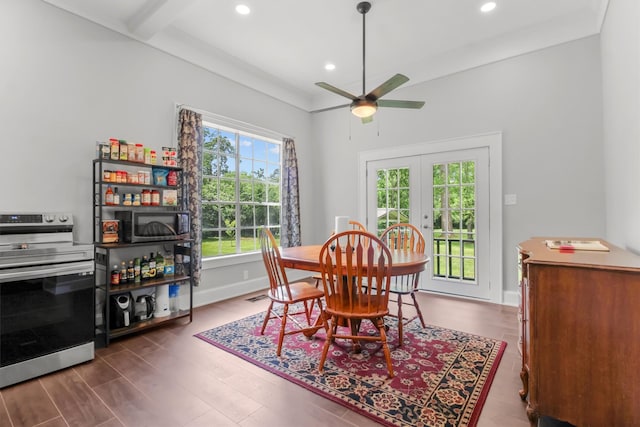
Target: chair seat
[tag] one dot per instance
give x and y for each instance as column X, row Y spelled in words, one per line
column 300, row 291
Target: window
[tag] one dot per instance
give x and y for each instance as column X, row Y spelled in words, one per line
column 240, row 190
column 454, row 220
column 393, row 197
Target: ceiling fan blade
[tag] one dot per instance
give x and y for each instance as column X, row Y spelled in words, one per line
column 400, row 104
column 330, row 108
column 337, row 91
column 388, row 86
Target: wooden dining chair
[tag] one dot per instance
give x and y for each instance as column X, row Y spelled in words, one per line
column 284, row 293
column 354, row 225
column 404, row 237
column 355, row 268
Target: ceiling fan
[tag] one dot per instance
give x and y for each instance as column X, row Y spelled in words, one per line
column 365, row 106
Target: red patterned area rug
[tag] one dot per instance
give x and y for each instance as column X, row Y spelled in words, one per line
column 442, row 376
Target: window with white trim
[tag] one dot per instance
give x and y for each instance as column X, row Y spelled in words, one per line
column 240, row 189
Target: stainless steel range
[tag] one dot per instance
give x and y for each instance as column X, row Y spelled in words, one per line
column 47, row 296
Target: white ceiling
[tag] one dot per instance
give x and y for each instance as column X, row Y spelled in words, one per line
column 281, row 47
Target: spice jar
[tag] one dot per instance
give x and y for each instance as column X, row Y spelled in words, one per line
column 131, row 152
column 155, row 198
column 115, row 149
column 146, row 197
column 124, row 152
column 139, row 153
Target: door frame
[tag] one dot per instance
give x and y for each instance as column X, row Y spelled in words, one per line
column 493, row 141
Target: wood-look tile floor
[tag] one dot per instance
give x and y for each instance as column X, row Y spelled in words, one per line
column 166, row 377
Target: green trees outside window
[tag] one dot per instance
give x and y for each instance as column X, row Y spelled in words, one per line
column 454, row 214
column 240, row 190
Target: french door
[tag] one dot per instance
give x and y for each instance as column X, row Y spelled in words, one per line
column 446, row 195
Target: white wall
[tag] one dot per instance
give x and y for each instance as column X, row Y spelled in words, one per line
column 548, row 106
column 620, row 45
column 66, row 82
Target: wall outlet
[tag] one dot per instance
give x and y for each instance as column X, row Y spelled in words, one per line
column 245, row 274
column 510, row 199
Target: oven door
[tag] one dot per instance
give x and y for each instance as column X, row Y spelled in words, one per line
column 45, row 309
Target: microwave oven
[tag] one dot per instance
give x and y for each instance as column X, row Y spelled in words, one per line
column 148, row 226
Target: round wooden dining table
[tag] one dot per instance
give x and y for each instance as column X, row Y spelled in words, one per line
column 308, row 258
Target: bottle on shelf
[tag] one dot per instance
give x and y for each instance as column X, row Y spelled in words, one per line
column 116, row 196
column 136, row 270
column 115, row 275
column 174, row 298
column 131, row 272
column 123, row 273
column 179, row 265
column 108, row 196
column 144, row 268
column 159, row 265
column 152, row 266
column 168, row 265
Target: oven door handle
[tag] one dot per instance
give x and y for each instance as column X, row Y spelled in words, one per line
column 40, row 271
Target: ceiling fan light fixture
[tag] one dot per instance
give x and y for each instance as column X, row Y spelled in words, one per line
column 488, row 7
column 363, row 108
column 243, row 9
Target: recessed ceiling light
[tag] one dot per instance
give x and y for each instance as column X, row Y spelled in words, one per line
column 488, row 7
column 243, row 9
column 330, row 67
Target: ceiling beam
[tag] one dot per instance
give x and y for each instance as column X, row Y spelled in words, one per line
column 154, row 16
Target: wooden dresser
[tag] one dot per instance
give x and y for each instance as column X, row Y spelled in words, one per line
column 580, row 333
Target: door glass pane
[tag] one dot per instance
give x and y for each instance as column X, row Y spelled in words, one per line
column 454, row 237
column 393, row 202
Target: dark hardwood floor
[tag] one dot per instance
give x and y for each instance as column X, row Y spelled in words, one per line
column 166, row 377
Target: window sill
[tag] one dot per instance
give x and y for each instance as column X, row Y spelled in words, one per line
column 225, row 261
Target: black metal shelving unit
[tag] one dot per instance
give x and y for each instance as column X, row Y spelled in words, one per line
column 107, row 253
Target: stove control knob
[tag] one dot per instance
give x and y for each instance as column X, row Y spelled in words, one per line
column 49, row 218
column 63, row 218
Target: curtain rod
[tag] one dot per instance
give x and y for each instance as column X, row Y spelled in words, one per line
column 227, row 121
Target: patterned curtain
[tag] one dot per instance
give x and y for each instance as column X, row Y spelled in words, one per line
column 190, row 139
column 290, row 227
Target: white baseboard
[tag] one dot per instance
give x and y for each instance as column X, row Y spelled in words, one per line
column 207, row 296
column 511, row 298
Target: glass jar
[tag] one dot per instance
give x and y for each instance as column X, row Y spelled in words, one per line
column 146, row 197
